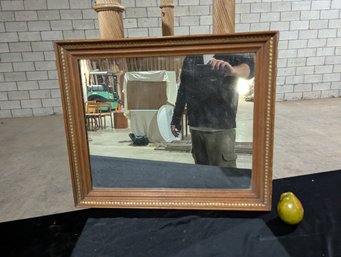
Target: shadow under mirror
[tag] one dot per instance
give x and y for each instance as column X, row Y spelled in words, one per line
column 170, row 121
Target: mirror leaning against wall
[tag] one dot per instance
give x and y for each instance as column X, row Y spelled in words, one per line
column 182, row 122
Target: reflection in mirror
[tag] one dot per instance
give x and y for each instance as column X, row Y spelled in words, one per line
column 181, row 122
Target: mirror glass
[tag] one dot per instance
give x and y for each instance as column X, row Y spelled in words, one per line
column 179, row 121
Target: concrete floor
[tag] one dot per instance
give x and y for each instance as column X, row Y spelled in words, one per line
column 34, row 166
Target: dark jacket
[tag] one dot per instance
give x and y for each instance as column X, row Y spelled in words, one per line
column 211, row 98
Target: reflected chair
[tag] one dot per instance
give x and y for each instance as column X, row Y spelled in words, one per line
column 105, row 111
column 93, row 116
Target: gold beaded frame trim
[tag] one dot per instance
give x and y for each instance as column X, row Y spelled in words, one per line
column 267, row 179
column 262, row 203
column 169, row 204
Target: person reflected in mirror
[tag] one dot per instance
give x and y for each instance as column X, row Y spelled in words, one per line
column 208, row 89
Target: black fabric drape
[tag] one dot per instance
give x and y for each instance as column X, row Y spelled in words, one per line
column 153, row 233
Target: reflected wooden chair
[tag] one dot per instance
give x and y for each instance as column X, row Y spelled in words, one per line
column 93, row 116
column 105, row 111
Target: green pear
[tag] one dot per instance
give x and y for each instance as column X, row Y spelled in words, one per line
column 290, row 209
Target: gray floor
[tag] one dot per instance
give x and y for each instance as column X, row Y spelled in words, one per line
column 34, row 168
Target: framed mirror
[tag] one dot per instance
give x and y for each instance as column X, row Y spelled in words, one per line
column 173, row 122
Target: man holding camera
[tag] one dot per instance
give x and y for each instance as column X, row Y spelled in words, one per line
column 208, row 88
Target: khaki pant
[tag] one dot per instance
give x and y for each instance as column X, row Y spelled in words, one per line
column 214, row 148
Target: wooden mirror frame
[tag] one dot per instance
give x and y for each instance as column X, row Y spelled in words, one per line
column 263, row 44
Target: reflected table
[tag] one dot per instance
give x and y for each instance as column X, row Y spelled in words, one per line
column 105, row 232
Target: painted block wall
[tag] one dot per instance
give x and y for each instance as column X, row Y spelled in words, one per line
column 309, row 63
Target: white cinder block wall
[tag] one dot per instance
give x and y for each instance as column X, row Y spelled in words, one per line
column 309, row 64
